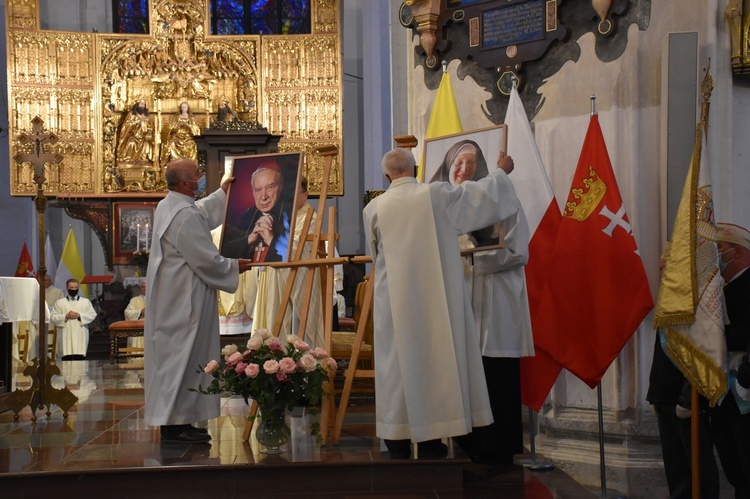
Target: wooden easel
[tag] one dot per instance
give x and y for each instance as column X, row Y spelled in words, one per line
column 310, row 263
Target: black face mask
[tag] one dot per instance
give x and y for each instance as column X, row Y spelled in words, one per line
column 73, row 293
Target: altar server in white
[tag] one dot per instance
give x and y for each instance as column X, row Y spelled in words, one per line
column 182, row 323
column 497, row 284
column 72, row 315
column 428, row 366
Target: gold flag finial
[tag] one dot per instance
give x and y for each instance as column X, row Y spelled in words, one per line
column 707, row 87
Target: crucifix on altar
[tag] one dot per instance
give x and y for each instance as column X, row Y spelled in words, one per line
column 41, row 393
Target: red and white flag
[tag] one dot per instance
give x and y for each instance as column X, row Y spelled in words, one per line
column 596, row 292
column 534, row 190
column 25, row 266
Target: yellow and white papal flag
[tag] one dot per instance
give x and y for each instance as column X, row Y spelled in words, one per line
column 71, row 265
column 444, row 118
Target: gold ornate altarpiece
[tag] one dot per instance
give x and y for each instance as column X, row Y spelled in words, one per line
column 83, row 84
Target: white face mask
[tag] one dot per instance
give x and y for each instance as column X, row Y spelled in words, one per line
column 722, row 263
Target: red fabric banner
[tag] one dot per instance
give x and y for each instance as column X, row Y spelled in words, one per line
column 25, row 266
column 596, row 292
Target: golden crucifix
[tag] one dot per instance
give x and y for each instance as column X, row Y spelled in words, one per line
column 41, row 393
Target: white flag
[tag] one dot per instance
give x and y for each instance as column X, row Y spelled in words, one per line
column 49, row 259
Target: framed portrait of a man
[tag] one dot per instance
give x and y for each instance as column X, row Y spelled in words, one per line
column 467, row 156
column 260, row 214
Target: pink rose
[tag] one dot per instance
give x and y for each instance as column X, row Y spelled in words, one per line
column 234, row 358
column 247, row 354
column 211, row 367
column 301, row 345
column 281, row 376
column 270, row 366
column 252, row 370
column 275, row 344
column 332, row 363
column 319, row 353
column 255, row 342
column 229, row 350
column 240, row 367
column 287, row 365
column 308, row 362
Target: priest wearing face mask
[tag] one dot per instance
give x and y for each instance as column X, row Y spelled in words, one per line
column 185, row 270
column 72, row 315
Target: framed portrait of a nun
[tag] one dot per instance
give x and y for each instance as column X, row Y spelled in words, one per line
column 467, row 156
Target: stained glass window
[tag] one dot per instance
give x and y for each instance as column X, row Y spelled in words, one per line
column 130, row 16
column 255, row 17
column 228, row 17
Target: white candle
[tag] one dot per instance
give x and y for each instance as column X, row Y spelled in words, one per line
column 138, row 237
column 146, row 247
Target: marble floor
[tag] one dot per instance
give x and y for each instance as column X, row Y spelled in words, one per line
column 105, row 446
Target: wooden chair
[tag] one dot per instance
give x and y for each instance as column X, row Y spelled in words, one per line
column 343, row 341
column 52, row 342
column 23, row 341
column 124, row 329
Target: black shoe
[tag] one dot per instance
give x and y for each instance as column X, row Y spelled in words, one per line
column 398, row 449
column 187, row 437
column 432, row 449
column 200, row 430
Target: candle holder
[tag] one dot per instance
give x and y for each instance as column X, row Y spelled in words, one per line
column 140, row 260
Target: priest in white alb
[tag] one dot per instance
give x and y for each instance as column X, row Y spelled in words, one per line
column 182, row 324
column 272, row 281
column 428, row 366
column 51, row 293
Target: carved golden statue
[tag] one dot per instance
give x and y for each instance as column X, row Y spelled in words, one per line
column 225, row 112
column 179, row 142
column 135, row 144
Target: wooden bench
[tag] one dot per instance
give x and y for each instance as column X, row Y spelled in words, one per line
column 124, row 329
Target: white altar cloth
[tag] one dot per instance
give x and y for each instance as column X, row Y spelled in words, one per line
column 19, row 301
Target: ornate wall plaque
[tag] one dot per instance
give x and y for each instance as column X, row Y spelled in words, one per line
column 497, row 40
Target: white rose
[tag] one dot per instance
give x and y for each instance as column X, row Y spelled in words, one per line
column 229, row 350
column 255, row 341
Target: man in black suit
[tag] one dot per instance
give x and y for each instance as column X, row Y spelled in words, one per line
column 730, row 421
column 669, row 392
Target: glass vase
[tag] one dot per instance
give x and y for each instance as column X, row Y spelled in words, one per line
column 272, row 431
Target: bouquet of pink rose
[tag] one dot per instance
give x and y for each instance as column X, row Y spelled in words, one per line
column 275, row 375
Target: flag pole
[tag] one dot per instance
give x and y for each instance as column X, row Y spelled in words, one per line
column 531, row 463
column 600, row 412
column 707, row 86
